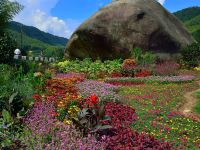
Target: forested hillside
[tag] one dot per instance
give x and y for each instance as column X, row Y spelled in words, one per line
column 191, row 19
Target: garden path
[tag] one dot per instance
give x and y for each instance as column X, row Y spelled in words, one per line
column 189, row 103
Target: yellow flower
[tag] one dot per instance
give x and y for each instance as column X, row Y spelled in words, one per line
column 73, row 111
column 68, row 122
column 197, row 68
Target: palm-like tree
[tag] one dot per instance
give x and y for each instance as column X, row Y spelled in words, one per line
column 7, row 11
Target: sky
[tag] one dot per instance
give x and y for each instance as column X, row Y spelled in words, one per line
column 62, row 17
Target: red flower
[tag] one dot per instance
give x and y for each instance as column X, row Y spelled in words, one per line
column 54, row 114
column 153, row 102
column 36, row 97
column 94, row 99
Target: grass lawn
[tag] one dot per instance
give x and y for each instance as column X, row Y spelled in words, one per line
column 197, row 107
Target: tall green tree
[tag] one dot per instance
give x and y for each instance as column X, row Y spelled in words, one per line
column 7, row 11
column 7, row 44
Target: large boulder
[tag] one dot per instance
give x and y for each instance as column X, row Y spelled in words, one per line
column 116, row 29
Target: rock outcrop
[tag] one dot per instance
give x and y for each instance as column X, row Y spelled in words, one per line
column 125, row 24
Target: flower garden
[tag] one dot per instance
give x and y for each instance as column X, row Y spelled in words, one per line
column 95, row 105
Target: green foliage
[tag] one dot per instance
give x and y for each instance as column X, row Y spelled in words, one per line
column 90, row 68
column 136, row 53
column 143, row 59
column 10, row 130
column 188, row 13
column 35, row 33
column 15, row 90
column 197, row 107
column 7, row 47
column 89, row 118
column 35, row 45
column 191, row 18
column 7, row 11
column 191, row 55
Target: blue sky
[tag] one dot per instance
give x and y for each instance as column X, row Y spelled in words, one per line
column 62, row 17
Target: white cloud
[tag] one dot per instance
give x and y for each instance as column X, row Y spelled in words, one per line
column 161, row 1
column 38, row 13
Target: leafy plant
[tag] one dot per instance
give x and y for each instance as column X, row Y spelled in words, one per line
column 91, row 69
column 143, row 58
column 7, row 11
column 10, row 131
column 191, row 55
column 136, row 53
column 15, row 90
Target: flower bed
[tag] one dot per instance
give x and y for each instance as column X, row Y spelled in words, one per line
column 160, row 79
column 44, row 131
column 102, row 90
column 155, row 105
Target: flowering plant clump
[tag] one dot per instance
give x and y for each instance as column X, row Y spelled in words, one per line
column 126, row 139
column 155, row 105
column 45, row 132
column 116, row 74
column 118, row 83
column 143, row 73
column 128, row 67
column 90, row 102
column 121, row 116
column 102, row 90
column 197, row 68
column 77, row 76
column 129, row 64
column 167, row 68
column 149, row 79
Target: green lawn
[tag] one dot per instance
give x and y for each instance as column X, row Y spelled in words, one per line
column 197, row 107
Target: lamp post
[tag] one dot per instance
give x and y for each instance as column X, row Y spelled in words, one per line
column 21, row 36
column 17, row 53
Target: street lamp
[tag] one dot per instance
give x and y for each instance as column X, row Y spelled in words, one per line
column 17, row 53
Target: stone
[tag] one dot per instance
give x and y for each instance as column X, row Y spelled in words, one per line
column 113, row 31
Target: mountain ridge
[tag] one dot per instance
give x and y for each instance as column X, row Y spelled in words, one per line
column 190, row 17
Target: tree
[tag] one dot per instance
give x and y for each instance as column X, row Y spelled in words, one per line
column 7, row 47
column 7, row 11
column 7, row 44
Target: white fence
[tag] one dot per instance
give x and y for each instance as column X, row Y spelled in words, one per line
column 43, row 59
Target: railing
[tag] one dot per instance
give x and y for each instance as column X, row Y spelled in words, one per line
column 29, row 58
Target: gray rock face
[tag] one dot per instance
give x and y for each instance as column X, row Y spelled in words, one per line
column 124, row 24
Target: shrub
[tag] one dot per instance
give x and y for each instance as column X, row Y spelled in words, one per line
column 128, row 67
column 136, row 53
column 15, row 90
column 7, row 47
column 191, row 55
column 91, row 69
column 143, row 59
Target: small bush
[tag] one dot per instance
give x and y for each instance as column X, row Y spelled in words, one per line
column 191, row 55
column 14, row 86
column 143, row 58
column 128, row 67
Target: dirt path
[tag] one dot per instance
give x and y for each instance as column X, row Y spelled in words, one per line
column 189, row 103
